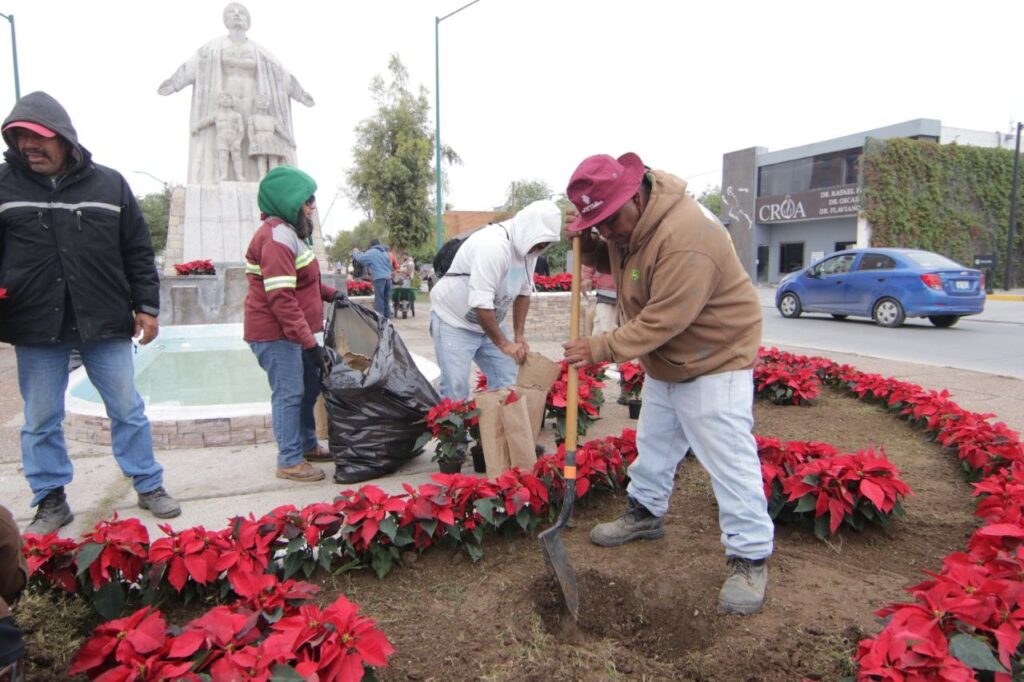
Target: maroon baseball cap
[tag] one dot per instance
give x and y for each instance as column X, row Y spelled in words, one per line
column 601, row 185
column 42, row 131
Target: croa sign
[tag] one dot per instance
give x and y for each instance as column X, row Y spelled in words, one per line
column 830, row 202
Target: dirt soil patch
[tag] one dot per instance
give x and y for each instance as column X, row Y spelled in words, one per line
column 648, row 609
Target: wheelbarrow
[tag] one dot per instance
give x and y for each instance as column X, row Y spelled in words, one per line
column 403, row 300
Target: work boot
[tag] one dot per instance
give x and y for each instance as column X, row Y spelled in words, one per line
column 303, row 472
column 52, row 513
column 318, row 454
column 636, row 523
column 743, row 591
column 160, row 503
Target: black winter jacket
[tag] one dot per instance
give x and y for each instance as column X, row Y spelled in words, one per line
column 81, row 237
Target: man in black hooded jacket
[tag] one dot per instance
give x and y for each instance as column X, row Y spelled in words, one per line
column 77, row 264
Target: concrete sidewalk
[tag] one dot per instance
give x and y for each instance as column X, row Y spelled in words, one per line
column 214, row 484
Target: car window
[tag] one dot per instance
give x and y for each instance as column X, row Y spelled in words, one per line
column 876, row 261
column 837, row 265
column 926, row 259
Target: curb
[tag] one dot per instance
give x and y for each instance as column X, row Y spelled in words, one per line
column 1004, row 297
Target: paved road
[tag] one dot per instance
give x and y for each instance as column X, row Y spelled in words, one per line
column 992, row 342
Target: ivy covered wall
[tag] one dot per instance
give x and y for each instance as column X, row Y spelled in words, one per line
column 951, row 199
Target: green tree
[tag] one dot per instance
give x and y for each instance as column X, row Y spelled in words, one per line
column 156, row 209
column 393, row 175
column 339, row 247
column 711, row 197
column 524, row 192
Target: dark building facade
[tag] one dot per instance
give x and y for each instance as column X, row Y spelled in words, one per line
column 788, row 208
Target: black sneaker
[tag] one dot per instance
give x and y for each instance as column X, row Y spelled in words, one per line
column 160, row 503
column 636, row 523
column 52, row 513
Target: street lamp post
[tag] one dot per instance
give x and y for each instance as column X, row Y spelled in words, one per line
column 14, row 52
column 437, row 119
column 1013, row 214
column 167, row 185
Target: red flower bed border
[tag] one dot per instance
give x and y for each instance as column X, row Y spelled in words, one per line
column 971, row 611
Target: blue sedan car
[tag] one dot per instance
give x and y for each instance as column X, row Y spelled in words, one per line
column 887, row 285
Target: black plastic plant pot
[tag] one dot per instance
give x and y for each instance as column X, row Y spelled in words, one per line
column 634, row 409
column 479, row 465
column 449, row 466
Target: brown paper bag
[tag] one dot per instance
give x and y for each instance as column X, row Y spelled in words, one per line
column 587, row 328
column 320, row 417
column 492, row 432
column 536, row 402
column 537, row 372
column 357, row 361
column 519, row 440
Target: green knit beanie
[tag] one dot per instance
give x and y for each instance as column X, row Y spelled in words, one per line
column 283, row 191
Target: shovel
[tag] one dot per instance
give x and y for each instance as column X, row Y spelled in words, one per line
column 550, row 543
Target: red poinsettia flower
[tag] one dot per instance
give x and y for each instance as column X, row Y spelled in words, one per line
column 192, row 553
column 365, row 510
column 3, row 293
column 121, row 641
column 266, row 593
column 246, row 548
column 631, row 379
column 116, row 550
column 51, row 559
column 450, row 422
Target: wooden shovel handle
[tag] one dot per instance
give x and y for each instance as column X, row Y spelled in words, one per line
column 572, row 390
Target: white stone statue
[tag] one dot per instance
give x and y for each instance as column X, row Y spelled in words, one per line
column 242, row 68
column 269, row 142
column 230, row 131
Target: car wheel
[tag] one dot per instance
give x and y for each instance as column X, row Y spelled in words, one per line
column 944, row 321
column 839, row 317
column 888, row 313
column 789, row 305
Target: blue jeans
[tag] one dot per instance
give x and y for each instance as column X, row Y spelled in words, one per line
column 43, row 379
column 382, row 297
column 294, row 387
column 457, row 348
column 712, row 415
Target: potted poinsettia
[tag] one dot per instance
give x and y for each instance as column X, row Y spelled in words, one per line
column 631, row 383
column 449, row 422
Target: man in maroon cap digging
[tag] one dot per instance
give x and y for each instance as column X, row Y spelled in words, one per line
column 691, row 315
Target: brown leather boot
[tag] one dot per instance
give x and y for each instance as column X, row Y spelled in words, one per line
column 318, row 454
column 303, row 472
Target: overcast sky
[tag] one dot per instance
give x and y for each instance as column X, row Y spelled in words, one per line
column 531, row 87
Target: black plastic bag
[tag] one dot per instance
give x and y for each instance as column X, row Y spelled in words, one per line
column 376, row 415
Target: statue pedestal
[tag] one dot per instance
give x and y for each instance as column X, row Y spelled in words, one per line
column 219, row 221
column 216, row 222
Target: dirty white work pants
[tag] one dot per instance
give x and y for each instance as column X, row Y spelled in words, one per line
column 712, row 415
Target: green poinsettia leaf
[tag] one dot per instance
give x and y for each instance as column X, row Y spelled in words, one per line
column 422, row 441
column 109, row 600
column 805, row 504
column 974, row 652
column 87, row 554
column 485, row 507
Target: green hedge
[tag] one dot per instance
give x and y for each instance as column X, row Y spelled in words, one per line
column 950, row 199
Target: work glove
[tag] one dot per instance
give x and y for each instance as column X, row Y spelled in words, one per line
column 340, row 299
column 320, row 358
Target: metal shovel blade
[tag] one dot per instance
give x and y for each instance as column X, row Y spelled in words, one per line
column 556, row 556
column 550, row 543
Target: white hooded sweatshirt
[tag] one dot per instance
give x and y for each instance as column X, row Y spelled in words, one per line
column 492, row 268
